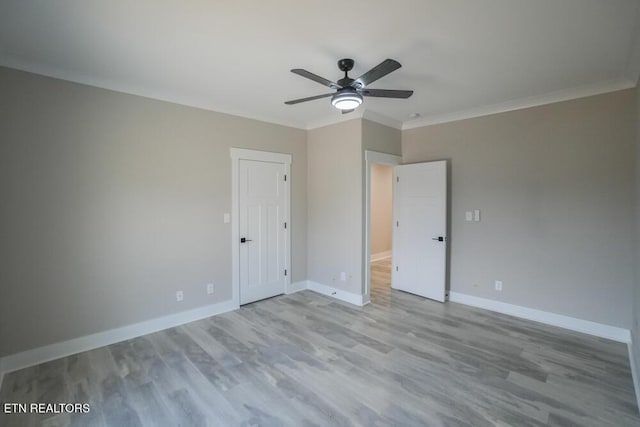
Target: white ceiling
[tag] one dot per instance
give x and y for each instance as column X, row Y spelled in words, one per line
column 461, row 57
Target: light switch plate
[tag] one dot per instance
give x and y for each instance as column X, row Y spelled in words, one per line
column 476, row 215
column 227, row 218
column 468, row 216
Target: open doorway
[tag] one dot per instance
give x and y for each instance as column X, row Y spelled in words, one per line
column 380, row 242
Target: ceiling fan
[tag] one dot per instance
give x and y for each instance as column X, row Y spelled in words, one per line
column 349, row 92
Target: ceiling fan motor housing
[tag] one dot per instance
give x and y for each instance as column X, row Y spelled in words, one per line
column 345, row 64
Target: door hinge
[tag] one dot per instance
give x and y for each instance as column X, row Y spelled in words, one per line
column 285, row 272
column 396, row 268
column 397, row 179
column 285, row 225
column 285, row 178
column 397, row 223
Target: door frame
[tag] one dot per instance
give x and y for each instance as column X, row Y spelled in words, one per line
column 370, row 158
column 238, row 154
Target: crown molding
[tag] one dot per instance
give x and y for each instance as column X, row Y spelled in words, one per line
column 334, row 120
column 632, row 69
column 519, row 104
column 365, row 114
column 187, row 101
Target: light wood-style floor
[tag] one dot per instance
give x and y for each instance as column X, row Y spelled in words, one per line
column 309, row 360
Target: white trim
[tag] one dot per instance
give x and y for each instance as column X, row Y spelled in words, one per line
column 579, row 325
column 57, row 350
column 631, row 72
column 360, row 113
column 330, row 121
column 519, row 104
column 345, row 296
column 371, row 157
column 292, row 288
column 384, row 158
column 381, row 255
column 144, row 92
column 634, row 373
column 238, row 154
column 235, row 229
column 261, row 156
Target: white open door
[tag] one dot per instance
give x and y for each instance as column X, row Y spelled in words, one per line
column 419, row 233
column 262, row 229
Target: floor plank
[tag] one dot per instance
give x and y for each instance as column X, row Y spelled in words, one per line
column 309, row 360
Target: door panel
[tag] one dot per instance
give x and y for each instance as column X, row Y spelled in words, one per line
column 420, row 210
column 261, row 208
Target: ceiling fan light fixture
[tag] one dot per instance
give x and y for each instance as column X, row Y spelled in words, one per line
column 347, row 100
column 350, row 92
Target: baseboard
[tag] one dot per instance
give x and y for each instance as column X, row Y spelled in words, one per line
column 24, row 359
column 380, row 255
column 579, row 325
column 345, row 296
column 292, row 288
column 634, row 373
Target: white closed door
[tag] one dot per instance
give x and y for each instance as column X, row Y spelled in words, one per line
column 262, row 230
column 420, row 226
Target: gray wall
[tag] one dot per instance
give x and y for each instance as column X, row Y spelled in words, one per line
column 555, row 186
column 112, row 202
column 334, row 193
column 381, row 138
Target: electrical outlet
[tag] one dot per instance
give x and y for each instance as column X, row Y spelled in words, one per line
column 209, row 288
column 498, row 285
column 179, row 296
column 343, row 276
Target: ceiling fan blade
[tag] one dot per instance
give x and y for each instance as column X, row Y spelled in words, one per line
column 387, row 93
column 316, row 78
column 347, row 111
column 311, row 98
column 380, row 70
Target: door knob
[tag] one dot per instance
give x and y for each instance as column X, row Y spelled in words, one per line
column 244, row 240
column 439, row 239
